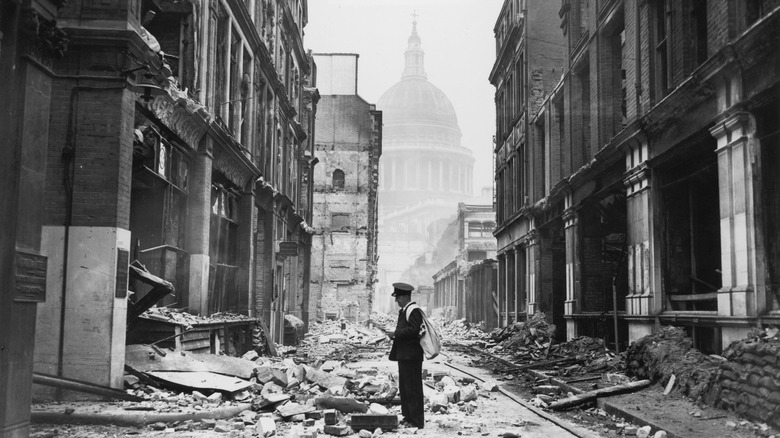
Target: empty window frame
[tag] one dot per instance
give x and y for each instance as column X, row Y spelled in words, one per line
column 338, row 179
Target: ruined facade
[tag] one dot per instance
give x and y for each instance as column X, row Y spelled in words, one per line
column 348, row 148
column 424, row 173
column 648, row 183
column 475, row 244
column 529, row 60
column 178, row 134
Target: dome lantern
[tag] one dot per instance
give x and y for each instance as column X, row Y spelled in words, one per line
column 415, row 57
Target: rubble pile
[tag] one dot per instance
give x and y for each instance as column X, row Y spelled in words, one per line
column 304, row 395
column 527, row 339
column 667, row 353
column 383, row 320
column 593, row 352
column 177, row 316
column 460, row 330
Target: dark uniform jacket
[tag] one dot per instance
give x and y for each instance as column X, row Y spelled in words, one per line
column 406, row 344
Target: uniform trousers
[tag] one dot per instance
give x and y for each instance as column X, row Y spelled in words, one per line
column 411, row 387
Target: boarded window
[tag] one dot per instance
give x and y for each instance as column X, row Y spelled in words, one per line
column 339, row 221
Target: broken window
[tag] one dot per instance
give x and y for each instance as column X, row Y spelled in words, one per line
column 158, row 207
column 171, row 25
column 475, row 229
column 221, row 62
column 692, row 233
column 615, row 114
column 223, row 246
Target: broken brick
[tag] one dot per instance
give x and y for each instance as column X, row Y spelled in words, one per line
column 373, row 421
column 337, row 430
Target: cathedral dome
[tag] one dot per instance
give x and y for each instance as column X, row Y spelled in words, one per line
column 417, row 101
column 414, row 110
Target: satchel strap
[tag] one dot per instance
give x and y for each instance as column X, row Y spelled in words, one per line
column 409, row 310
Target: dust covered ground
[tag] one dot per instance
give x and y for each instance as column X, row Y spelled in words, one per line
column 522, row 359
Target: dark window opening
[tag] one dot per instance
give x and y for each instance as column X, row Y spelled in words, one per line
column 220, row 62
column 158, row 209
column 692, row 234
column 662, row 72
column 754, row 9
column 338, row 179
column 698, row 30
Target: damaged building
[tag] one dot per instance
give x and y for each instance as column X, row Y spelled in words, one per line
column 348, row 148
column 457, row 291
column 178, row 134
column 641, row 193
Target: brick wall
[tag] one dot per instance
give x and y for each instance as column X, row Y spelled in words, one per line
column 95, row 123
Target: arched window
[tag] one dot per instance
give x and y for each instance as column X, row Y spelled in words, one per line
column 338, row 179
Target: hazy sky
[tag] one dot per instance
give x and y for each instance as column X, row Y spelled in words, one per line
column 457, row 37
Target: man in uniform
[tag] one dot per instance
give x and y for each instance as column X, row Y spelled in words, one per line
column 408, row 353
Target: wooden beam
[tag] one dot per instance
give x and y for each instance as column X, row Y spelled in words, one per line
column 585, row 397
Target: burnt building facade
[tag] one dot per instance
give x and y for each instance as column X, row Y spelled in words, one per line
column 649, row 162
column 348, row 150
column 177, row 134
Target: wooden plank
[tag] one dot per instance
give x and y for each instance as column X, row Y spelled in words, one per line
column 193, row 345
column 694, row 297
column 195, row 335
column 585, row 397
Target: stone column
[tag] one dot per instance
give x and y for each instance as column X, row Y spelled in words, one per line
column 511, row 290
column 644, row 274
column 571, row 307
column 199, row 208
column 247, row 221
column 501, row 298
column 533, row 263
column 519, row 279
column 742, row 248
